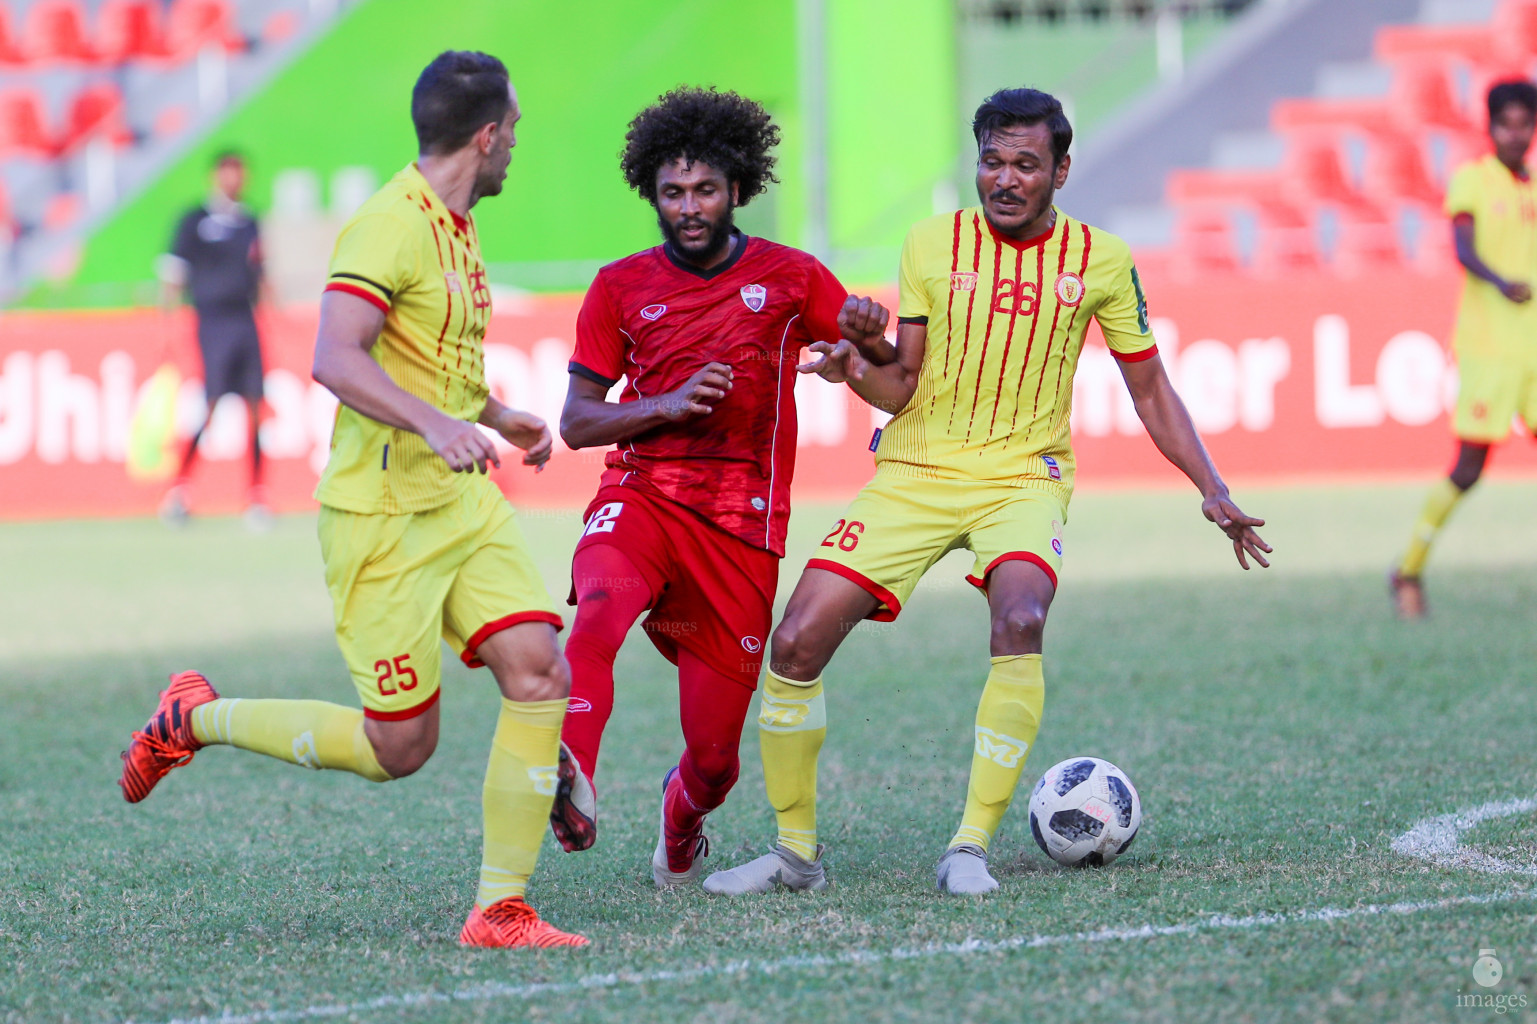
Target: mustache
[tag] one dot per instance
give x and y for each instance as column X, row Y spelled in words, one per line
column 1004, row 193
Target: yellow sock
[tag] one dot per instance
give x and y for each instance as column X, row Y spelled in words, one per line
column 1007, row 719
column 520, row 786
column 1443, row 497
column 792, row 723
column 311, row 733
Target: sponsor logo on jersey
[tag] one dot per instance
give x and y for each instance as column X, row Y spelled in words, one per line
column 751, row 644
column 754, row 295
column 451, row 279
column 654, row 311
column 1056, row 545
column 578, row 704
column 1069, row 288
column 1006, row 751
column 1052, row 469
column 963, row 281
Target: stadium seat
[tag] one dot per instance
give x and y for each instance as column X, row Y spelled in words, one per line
column 11, row 52
column 129, row 30
column 7, row 217
column 1474, row 44
column 1515, row 28
column 1396, row 171
column 22, row 125
column 96, row 112
column 1313, row 168
column 55, row 32
column 1203, row 243
column 194, row 25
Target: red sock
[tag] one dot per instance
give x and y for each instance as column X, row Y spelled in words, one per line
column 610, row 596
column 713, row 706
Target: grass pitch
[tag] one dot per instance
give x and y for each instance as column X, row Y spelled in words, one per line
column 1281, row 726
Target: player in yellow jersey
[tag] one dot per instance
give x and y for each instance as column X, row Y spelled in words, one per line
column 995, row 301
column 419, row 545
column 1493, row 206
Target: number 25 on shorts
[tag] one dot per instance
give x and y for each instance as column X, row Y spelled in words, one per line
column 395, row 675
column 845, row 536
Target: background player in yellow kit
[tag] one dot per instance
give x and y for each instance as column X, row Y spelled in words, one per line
column 419, row 545
column 1493, row 207
column 995, row 301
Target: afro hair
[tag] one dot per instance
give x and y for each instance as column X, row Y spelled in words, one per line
column 722, row 129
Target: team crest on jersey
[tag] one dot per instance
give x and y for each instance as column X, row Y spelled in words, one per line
column 1069, row 289
column 652, row 312
column 754, row 295
column 451, row 279
column 963, row 281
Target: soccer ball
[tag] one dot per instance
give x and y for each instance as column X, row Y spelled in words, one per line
column 1084, row 811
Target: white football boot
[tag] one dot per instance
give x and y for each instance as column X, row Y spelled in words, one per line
column 779, row 869
column 963, row 872
column 661, row 871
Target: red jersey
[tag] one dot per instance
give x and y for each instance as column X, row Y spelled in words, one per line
column 656, row 321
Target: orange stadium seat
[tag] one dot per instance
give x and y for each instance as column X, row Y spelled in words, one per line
column 194, row 25
column 128, row 30
column 22, row 125
column 55, row 32
column 96, row 112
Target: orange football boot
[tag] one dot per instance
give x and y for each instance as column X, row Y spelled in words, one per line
column 166, row 741
column 1408, row 595
column 511, row 922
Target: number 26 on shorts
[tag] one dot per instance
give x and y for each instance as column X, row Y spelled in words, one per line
column 395, row 675
column 845, row 536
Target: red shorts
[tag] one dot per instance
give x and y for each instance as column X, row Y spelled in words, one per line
column 714, row 592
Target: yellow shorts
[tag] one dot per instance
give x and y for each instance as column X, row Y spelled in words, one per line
column 899, row 526
column 398, row 583
column 1490, row 393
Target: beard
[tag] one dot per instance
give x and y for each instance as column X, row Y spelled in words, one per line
column 711, row 246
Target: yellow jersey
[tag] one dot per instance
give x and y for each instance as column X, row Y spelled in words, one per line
column 419, row 262
column 1504, row 211
column 1006, row 320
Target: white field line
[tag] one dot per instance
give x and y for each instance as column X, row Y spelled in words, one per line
column 492, row 991
column 1439, row 840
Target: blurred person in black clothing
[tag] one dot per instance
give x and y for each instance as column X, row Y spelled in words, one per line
column 215, row 262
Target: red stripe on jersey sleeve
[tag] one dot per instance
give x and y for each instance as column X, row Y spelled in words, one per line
column 362, row 293
column 1135, row 357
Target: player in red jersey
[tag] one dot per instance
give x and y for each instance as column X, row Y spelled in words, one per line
column 689, row 519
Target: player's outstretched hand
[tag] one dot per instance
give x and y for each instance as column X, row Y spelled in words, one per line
column 698, row 395
column 1219, row 508
column 1516, row 291
column 461, row 445
column 529, row 432
column 835, row 363
column 862, row 319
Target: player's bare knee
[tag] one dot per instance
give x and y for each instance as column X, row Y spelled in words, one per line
column 402, row 757
column 545, row 678
column 1018, row 629
column 793, row 651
